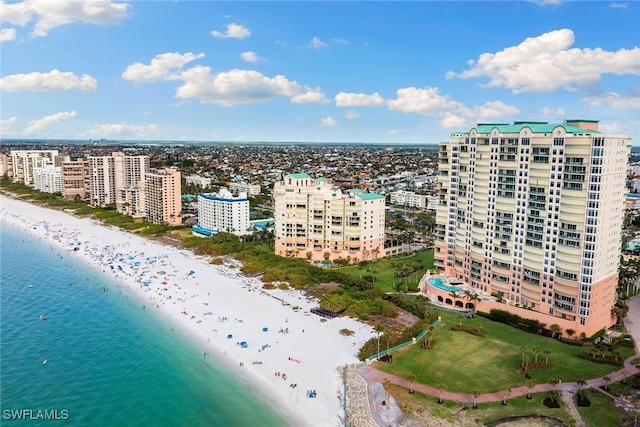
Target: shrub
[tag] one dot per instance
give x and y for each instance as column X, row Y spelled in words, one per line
column 469, row 329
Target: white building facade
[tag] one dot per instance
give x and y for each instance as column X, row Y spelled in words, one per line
column 533, row 212
column 48, row 179
column 316, row 220
column 408, row 199
column 243, row 187
column 224, row 212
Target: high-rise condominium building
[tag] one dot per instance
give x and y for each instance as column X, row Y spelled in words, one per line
column 75, row 183
column 48, row 179
column 224, row 212
column 162, row 193
column 22, row 163
column 314, row 218
column 533, row 211
column 108, row 174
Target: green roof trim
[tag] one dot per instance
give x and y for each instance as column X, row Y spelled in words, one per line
column 300, row 175
column 370, row 196
column 536, row 127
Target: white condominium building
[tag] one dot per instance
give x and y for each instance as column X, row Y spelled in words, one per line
column 224, row 212
column 533, row 211
column 243, row 187
column 408, row 199
column 48, row 179
column 316, row 220
column 200, row 181
column 162, row 193
column 22, row 164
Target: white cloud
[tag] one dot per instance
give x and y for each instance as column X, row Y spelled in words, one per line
column 346, row 99
column 106, row 130
column 454, row 121
column 52, row 14
column 241, row 87
column 5, row 125
column 328, row 121
column 7, row 34
column 234, row 31
column 341, row 41
column 42, row 82
column 492, row 110
column 250, row 56
column 35, row 126
column 620, row 127
column 165, row 66
column 619, row 5
column 546, row 63
column 427, row 101
column 349, row 115
column 548, row 111
column 613, row 100
column 316, row 43
column 309, row 96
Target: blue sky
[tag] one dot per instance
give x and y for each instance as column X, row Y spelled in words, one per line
column 405, row 72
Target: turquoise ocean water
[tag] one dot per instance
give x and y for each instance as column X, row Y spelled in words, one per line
column 109, row 363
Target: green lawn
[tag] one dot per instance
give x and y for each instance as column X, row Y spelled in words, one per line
column 418, row 403
column 384, row 270
column 602, row 412
column 466, row 363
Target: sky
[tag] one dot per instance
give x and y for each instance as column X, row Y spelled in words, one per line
column 344, row 71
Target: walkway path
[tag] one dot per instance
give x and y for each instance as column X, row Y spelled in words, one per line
column 372, row 375
column 632, row 323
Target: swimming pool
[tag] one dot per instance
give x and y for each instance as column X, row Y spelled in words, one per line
column 440, row 285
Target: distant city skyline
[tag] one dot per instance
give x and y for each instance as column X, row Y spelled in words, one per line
column 379, row 72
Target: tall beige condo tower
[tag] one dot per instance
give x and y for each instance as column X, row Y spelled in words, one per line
column 314, row 218
column 162, row 190
column 533, row 211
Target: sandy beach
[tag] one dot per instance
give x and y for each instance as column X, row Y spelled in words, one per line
column 286, row 353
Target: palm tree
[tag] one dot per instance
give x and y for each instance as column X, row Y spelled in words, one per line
column 555, row 329
column 523, row 350
column 454, row 295
column 378, row 328
column 411, row 378
column 440, row 391
column 581, row 383
column 506, row 395
column 606, row 379
column 536, row 350
column 529, row 387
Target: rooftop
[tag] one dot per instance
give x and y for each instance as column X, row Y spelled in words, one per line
column 536, row 127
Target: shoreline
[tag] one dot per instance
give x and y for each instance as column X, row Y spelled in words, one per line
column 207, row 303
